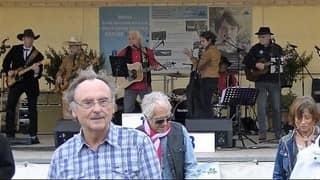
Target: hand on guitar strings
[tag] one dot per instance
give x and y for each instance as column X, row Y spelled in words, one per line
column 260, row 66
column 35, row 67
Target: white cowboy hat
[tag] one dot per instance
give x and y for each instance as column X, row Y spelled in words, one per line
column 73, row 41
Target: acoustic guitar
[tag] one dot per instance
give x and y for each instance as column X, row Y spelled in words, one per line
column 17, row 75
column 254, row 74
column 135, row 74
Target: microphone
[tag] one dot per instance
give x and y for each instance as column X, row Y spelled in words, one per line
column 273, row 40
column 317, row 48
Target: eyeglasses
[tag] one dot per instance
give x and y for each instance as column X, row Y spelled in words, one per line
column 160, row 121
column 89, row 103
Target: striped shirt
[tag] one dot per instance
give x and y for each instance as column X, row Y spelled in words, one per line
column 125, row 154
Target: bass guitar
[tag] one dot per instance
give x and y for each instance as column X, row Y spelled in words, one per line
column 18, row 73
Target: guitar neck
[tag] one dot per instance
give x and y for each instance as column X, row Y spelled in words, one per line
column 20, row 73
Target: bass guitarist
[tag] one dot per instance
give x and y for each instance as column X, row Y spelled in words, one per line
column 258, row 60
column 19, row 57
column 135, row 52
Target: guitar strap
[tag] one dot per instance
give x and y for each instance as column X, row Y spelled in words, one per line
column 34, row 54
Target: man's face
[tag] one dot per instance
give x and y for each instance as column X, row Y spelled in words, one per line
column 133, row 40
column 160, row 118
column 228, row 32
column 97, row 94
column 264, row 39
column 28, row 41
column 74, row 49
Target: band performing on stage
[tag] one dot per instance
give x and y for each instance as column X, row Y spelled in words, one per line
column 210, row 75
column 89, row 98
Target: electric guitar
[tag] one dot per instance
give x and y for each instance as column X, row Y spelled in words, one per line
column 135, row 74
column 17, row 75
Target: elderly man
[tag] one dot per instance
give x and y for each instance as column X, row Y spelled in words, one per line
column 171, row 140
column 135, row 52
column 102, row 150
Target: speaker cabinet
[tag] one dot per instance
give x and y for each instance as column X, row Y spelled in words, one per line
column 65, row 129
column 316, row 89
column 221, row 127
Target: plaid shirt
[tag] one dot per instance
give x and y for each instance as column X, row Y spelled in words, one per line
column 125, row 154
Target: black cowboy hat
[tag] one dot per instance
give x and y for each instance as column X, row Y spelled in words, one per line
column 263, row 31
column 27, row 33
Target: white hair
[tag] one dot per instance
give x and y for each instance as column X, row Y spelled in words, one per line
column 150, row 102
column 137, row 34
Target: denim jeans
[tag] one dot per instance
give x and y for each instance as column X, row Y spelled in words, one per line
column 130, row 97
column 270, row 90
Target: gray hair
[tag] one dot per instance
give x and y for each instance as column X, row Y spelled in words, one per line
column 150, row 102
column 84, row 75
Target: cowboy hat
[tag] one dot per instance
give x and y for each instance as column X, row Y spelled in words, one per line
column 263, row 31
column 73, row 41
column 27, row 33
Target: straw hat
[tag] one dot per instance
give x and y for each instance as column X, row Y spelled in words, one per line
column 73, row 41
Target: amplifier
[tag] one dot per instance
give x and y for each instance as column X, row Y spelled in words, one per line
column 221, row 127
column 65, row 129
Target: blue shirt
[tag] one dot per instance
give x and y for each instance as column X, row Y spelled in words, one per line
column 190, row 161
column 125, row 154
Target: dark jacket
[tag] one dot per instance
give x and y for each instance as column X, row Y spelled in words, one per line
column 14, row 60
column 175, row 150
column 7, row 166
column 259, row 51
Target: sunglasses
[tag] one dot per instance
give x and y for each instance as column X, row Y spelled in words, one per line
column 160, row 121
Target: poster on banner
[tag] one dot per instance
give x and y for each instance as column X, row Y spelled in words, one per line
column 115, row 22
column 232, row 26
column 172, row 30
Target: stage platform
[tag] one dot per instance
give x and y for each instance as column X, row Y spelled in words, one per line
column 253, row 162
column 261, row 152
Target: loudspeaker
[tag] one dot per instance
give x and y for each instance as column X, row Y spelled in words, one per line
column 316, row 89
column 65, row 129
column 221, row 127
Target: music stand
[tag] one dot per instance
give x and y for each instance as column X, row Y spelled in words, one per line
column 119, row 66
column 237, row 96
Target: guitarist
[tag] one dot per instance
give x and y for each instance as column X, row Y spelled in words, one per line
column 69, row 69
column 266, row 84
column 135, row 52
column 19, row 57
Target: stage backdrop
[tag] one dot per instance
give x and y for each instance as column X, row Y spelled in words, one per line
column 232, row 26
column 171, row 29
column 115, row 22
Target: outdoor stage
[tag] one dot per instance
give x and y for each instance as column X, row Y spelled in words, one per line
column 256, row 161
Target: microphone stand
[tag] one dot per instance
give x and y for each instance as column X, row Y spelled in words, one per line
column 239, row 50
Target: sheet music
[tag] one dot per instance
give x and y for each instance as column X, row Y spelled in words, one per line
column 274, row 64
column 224, row 93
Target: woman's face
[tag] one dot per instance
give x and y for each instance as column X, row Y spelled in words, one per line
column 305, row 124
column 204, row 42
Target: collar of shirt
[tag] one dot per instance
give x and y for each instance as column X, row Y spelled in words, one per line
column 111, row 138
column 29, row 49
